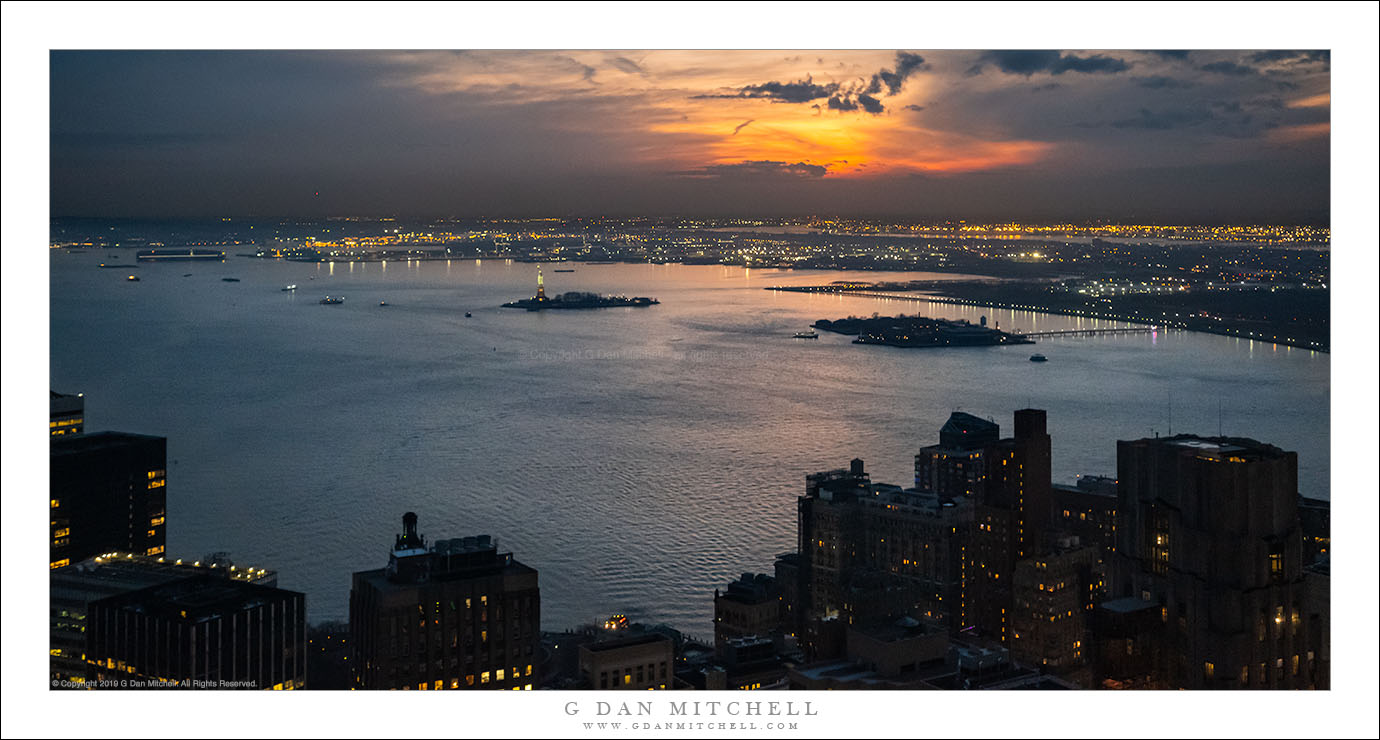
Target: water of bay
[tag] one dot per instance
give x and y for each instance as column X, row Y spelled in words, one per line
column 637, row 457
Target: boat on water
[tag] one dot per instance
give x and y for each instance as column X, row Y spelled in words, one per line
column 230, row 280
column 1038, row 358
column 289, row 288
column 332, row 300
column 383, row 303
column 806, row 334
column 467, row 314
column 133, row 278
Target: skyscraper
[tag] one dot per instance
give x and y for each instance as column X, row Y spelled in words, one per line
column 956, row 466
column 457, row 615
column 1012, row 519
column 1209, row 535
column 107, row 492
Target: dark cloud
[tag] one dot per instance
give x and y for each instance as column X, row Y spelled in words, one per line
column 742, row 126
column 627, row 65
column 843, row 103
column 800, row 91
column 916, row 108
column 762, row 168
column 851, row 100
column 1228, row 68
column 871, row 104
column 906, row 65
column 1169, row 53
column 1029, row 62
column 1160, row 82
column 1229, row 118
column 1165, row 120
column 1292, row 57
column 837, row 96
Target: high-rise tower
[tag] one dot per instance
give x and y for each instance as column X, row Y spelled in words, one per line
column 1209, row 537
column 456, row 615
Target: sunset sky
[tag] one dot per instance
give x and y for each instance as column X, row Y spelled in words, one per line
column 1164, row 135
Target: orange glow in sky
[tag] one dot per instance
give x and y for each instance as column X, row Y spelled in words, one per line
column 849, row 146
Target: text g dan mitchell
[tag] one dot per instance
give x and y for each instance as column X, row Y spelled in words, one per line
column 694, row 708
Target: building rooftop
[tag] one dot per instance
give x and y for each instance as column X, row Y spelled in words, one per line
column 750, row 589
column 965, row 431
column 1236, row 449
column 645, row 638
column 96, row 441
column 126, row 570
column 198, row 598
column 905, row 628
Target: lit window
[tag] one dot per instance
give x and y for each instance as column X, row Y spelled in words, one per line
column 498, row 676
column 484, row 677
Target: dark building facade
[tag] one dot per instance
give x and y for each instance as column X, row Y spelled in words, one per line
column 205, row 631
column 1315, row 515
column 1055, row 593
column 73, row 588
column 638, row 662
column 1011, row 520
column 108, row 492
column 66, row 414
column 873, row 551
column 749, row 606
column 1209, row 534
column 956, row 466
column 1088, row 510
column 457, row 615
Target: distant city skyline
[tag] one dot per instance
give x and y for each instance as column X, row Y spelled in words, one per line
column 1169, row 136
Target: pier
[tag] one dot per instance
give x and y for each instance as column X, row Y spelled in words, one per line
column 1090, row 332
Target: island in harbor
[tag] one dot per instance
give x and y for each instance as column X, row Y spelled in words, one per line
column 919, row 331
column 575, row 299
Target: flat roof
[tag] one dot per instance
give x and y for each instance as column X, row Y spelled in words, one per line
column 75, row 443
column 646, row 638
column 199, row 598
